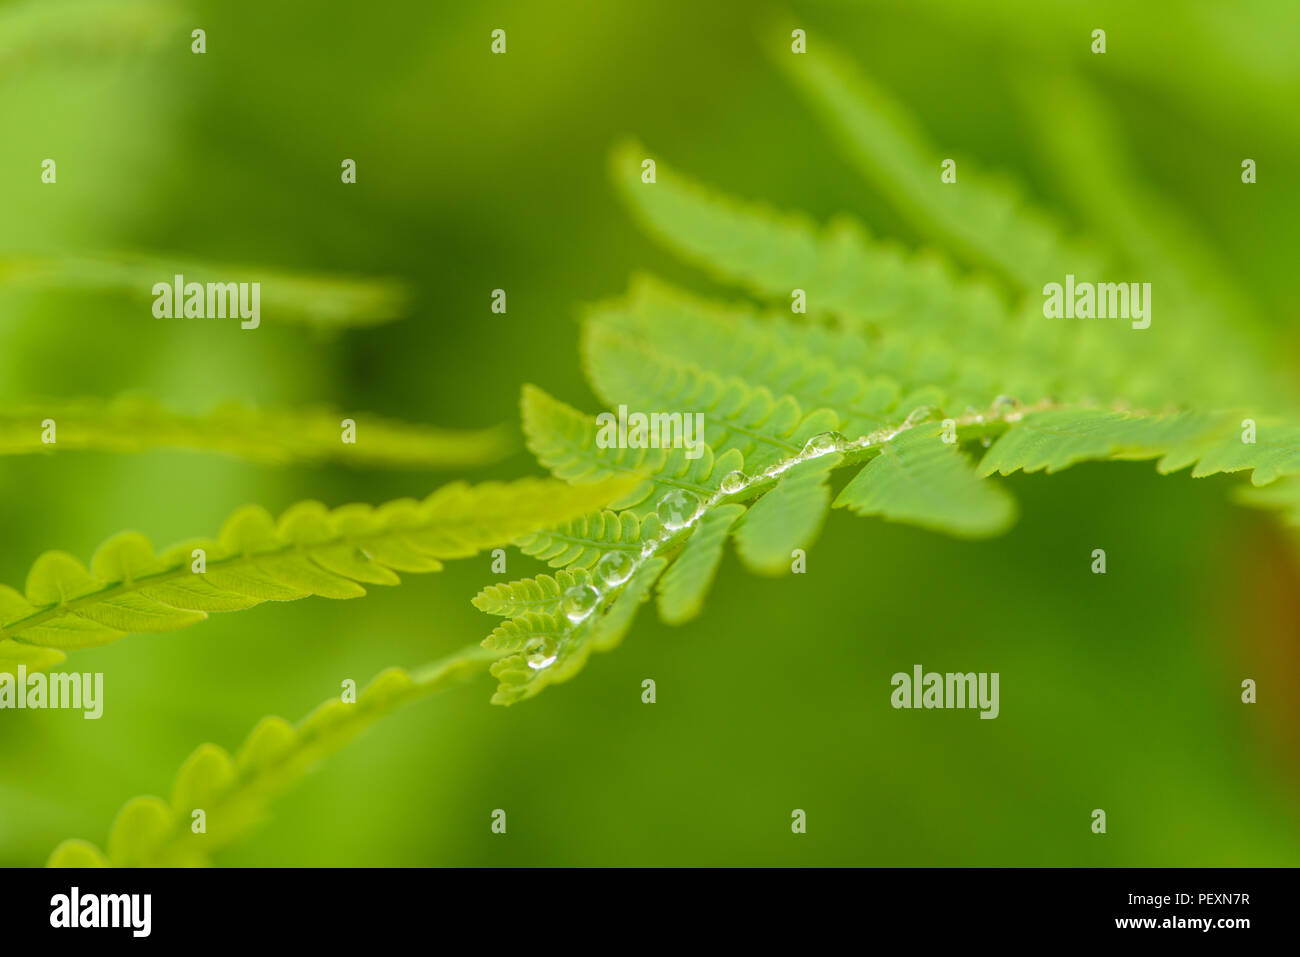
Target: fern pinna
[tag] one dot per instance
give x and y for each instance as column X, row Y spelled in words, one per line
column 917, row 380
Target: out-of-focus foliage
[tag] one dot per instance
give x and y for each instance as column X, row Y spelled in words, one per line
column 232, row 793
column 132, row 423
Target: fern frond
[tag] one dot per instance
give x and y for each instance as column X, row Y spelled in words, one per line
column 235, row 793
column 869, row 384
column 1056, row 438
column 1109, row 194
column 132, row 423
column 763, row 427
column 615, row 558
column 914, row 472
column 542, row 650
column 984, row 218
column 916, row 324
column 911, row 344
column 542, row 595
column 582, row 541
column 310, row 550
column 842, row 270
column 1156, row 237
column 286, row 296
column 565, row 441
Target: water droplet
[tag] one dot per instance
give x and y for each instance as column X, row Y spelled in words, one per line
column 986, row 441
column 541, row 652
column 579, row 601
column 677, row 508
column 614, row 568
column 733, row 482
column 922, row 413
column 1004, row 404
column 822, row 444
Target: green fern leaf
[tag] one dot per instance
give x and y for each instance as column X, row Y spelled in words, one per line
column 513, row 636
column 770, row 254
column 79, row 854
column 582, row 541
column 787, row 517
column 542, row 650
column 1159, row 240
column 311, row 550
column 684, row 586
column 286, row 296
column 763, row 427
column 15, row 653
column 234, row 793
column 1211, row 443
column 1274, row 453
column 913, row 322
column 275, row 437
column 817, row 367
column 608, row 630
column 565, row 441
column 984, row 218
column 909, row 337
column 920, row 479
column 542, row 595
column 1105, row 187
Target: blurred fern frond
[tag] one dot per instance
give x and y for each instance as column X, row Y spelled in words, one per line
column 310, row 550
column 234, row 793
column 134, row 423
column 287, row 296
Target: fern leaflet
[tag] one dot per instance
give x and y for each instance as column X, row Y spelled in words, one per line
column 276, row 437
column 234, row 793
column 286, row 296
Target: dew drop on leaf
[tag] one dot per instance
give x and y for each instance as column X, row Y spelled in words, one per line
column 733, row 482
column 677, row 508
column 614, row 568
column 922, row 413
column 541, row 652
column 822, row 444
column 579, row 601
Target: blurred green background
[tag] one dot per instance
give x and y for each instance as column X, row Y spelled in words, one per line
column 476, row 172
